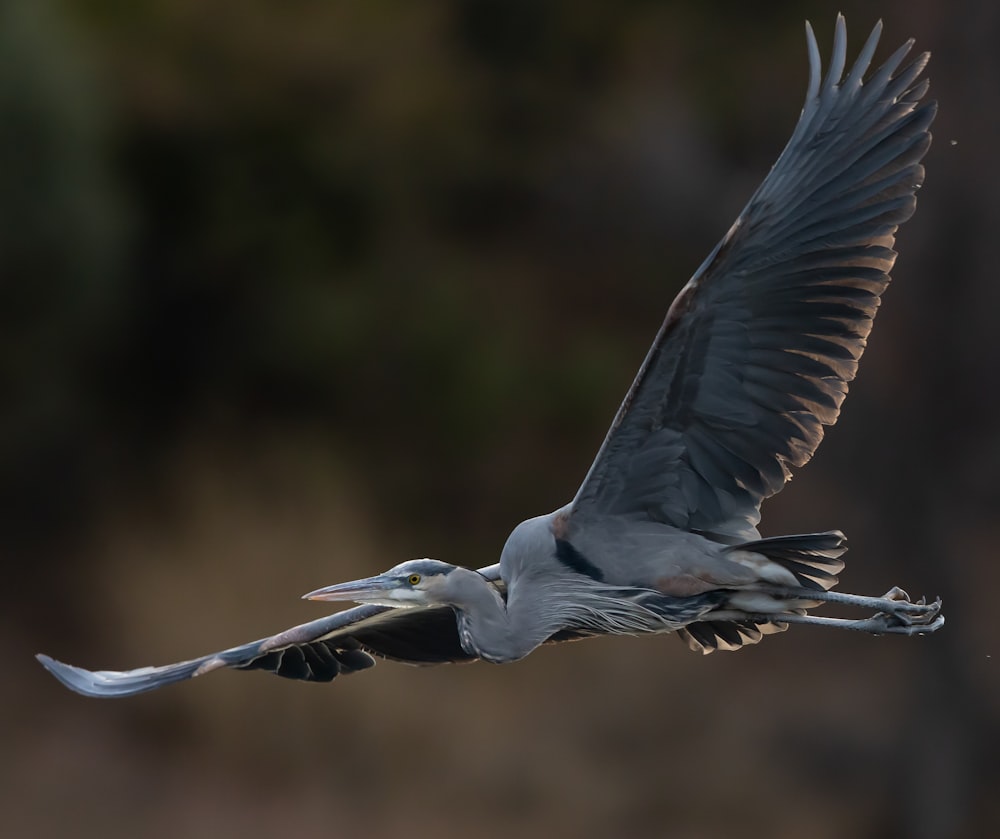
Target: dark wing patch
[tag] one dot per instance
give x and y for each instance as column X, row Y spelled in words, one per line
column 415, row 636
column 576, row 561
column 320, row 661
column 755, row 355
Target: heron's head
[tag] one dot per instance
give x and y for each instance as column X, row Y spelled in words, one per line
column 418, row 582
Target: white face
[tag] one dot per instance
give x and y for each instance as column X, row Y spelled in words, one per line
column 413, row 580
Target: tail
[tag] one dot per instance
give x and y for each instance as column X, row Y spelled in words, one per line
column 813, row 558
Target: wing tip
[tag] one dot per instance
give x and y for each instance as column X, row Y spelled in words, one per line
column 815, row 66
column 117, row 683
column 864, row 59
column 834, row 77
column 838, row 58
column 77, row 679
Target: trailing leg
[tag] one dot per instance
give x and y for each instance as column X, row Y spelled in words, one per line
column 895, row 604
column 878, row 624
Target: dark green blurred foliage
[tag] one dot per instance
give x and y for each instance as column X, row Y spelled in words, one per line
column 293, row 291
column 61, row 242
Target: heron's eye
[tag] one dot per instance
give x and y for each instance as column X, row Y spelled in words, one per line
column 413, row 579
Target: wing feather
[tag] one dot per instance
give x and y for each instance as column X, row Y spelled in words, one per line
column 755, row 355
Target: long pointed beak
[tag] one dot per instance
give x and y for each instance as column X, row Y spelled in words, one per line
column 369, row 590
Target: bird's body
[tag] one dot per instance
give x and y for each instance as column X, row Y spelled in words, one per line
column 751, row 363
column 612, row 575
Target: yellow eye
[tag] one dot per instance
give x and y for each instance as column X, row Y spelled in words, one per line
column 413, row 579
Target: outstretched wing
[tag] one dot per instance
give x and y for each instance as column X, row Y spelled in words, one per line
column 756, row 352
column 317, row 651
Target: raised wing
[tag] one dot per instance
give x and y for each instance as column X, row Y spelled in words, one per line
column 756, row 352
column 317, row 651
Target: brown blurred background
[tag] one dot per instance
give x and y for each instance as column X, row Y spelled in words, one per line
column 294, row 291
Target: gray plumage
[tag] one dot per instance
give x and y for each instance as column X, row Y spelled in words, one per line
column 751, row 364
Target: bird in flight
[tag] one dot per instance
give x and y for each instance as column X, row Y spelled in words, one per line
column 751, row 363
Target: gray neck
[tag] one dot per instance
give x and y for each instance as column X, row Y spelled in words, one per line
column 491, row 629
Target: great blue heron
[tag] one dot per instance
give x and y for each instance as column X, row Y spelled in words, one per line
column 752, row 361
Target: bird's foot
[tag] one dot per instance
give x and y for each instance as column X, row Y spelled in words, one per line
column 904, row 613
column 884, row 624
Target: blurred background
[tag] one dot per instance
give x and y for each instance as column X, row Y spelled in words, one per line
column 292, row 292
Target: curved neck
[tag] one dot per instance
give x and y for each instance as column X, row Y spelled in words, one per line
column 490, row 628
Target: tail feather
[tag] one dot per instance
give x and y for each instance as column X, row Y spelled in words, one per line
column 813, row 558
